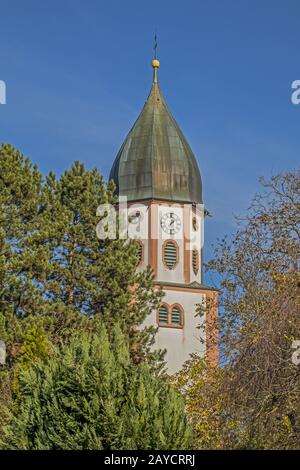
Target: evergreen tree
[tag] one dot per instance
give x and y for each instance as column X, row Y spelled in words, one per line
column 89, row 395
column 54, row 272
column 56, row 276
column 91, row 276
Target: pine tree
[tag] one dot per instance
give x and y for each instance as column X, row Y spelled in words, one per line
column 91, row 276
column 55, row 274
column 54, row 271
column 21, row 264
column 89, row 395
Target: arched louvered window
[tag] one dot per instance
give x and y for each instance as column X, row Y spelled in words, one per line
column 170, row 316
column 170, row 254
column 195, row 261
column 163, row 315
column 176, row 316
column 140, row 251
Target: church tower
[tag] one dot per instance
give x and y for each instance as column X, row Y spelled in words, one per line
column 157, row 177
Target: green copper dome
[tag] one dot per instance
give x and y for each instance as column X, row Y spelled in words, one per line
column 155, row 160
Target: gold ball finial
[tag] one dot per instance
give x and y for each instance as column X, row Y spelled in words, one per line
column 155, row 63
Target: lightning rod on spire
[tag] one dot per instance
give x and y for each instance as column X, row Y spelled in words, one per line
column 155, row 46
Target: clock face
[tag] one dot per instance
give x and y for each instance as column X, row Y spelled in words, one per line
column 170, row 223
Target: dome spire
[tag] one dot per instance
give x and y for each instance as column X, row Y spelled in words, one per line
column 155, row 61
column 155, row 160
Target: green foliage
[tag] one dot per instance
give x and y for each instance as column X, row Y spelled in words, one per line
column 55, row 272
column 36, row 347
column 56, row 277
column 89, row 395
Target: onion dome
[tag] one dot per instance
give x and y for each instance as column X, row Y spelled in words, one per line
column 155, row 160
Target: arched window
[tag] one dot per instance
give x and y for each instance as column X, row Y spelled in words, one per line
column 195, row 261
column 171, row 316
column 195, row 224
column 176, row 316
column 170, row 254
column 163, row 315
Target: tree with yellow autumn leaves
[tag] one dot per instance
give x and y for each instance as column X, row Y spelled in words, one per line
column 252, row 400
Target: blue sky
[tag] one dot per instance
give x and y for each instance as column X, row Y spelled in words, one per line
column 78, row 72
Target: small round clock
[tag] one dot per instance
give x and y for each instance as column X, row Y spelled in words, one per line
column 170, row 223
